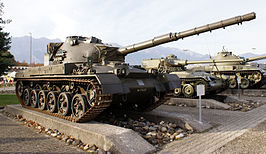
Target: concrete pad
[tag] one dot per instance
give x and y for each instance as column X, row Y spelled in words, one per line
column 184, row 121
column 108, row 137
column 246, row 92
column 205, row 102
column 234, row 99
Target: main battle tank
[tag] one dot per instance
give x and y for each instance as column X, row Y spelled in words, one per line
column 86, row 76
column 189, row 79
column 229, row 66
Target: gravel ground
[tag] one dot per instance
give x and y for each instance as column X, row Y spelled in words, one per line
column 253, row 141
column 156, row 133
column 17, row 138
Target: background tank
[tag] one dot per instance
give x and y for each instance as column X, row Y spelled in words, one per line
column 230, row 66
column 86, row 76
column 189, row 79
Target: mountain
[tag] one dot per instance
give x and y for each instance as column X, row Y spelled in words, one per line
column 20, row 48
column 159, row 51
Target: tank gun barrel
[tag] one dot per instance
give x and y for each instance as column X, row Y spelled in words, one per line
column 186, row 62
column 195, row 31
column 255, row 58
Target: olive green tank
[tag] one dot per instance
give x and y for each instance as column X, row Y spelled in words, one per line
column 189, row 79
column 86, row 76
column 229, row 66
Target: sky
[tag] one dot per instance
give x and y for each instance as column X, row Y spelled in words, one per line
column 126, row 22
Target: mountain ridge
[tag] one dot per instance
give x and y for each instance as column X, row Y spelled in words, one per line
column 20, row 48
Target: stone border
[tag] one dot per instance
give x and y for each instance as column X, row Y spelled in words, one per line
column 209, row 103
column 246, row 92
column 109, row 138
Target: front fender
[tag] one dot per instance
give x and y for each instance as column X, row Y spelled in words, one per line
column 170, row 81
column 111, row 84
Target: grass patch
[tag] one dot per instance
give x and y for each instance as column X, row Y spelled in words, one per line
column 8, row 99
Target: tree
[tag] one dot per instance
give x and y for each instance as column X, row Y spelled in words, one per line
column 6, row 58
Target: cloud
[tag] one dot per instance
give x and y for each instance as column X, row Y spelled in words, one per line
column 126, row 22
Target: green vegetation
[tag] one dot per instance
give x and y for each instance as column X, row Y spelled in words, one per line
column 8, row 99
column 6, row 58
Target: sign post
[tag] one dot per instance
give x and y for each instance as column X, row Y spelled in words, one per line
column 238, row 83
column 200, row 92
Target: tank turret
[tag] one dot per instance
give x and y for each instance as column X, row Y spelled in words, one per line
column 189, row 79
column 228, row 58
column 86, row 76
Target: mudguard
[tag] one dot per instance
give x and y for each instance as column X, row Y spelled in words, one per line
column 111, row 84
column 170, row 81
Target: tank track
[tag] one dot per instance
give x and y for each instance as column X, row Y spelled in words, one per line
column 254, row 85
column 159, row 102
column 103, row 101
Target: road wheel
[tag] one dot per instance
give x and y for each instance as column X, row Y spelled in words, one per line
column 42, row 100
column 244, row 83
column 188, row 90
column 26, row 97
column 51, row 102
column 63, row 103
column 79, row 105
column 232, row 83
column 34, row 98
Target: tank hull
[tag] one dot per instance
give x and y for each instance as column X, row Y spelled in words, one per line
column 81, row 98
column 189, row 86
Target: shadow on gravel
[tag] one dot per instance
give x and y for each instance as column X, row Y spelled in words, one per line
column 20, row 139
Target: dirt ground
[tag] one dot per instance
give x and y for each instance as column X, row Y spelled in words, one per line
column 253, row 141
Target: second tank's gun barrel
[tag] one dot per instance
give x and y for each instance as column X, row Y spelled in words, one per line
column 255, row 58
column 213, row 61
column 187, row 62
column 176, row 36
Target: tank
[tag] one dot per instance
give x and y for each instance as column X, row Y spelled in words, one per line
column 85, row 77
column 189, row 79
column 229, row 66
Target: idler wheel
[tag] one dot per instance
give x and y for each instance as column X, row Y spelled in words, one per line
column 34, row 98
column 19, row 88
column 79, row 105
column 244, row 83
column 51, row 102
column 63, row 103
column 188, row 90
column 42, row 100
column 26, row 97
column 177, row 91
column 91, row 94
column 232, row 83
